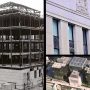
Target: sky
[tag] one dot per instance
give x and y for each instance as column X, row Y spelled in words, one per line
column 36, row 4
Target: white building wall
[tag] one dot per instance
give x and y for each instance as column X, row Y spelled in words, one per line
column 71, row 4
column 37, row 80
column 67, row 14
column 49, row 36
column 7, row 75
column 20, row 77
column 65, row 3
column 63, row 37
column 65, row 10
column 78, row 40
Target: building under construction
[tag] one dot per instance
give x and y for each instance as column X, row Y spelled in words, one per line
column 21, row 45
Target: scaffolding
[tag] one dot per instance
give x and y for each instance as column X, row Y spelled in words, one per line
column 21, row 35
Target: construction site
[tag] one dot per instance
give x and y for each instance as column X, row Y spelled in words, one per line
column 21, row 47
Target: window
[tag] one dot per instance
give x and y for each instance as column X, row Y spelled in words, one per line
column 4, row 46
column 32, row 36
column 36, row 45
column 55, row 27
column 10, row 47
column 40, row 73
column 10, row 37
column 36, row 56
column 55, row 36
column 25, row 46
column 7, row 37
column 4, row 37
column 28, row 76
column 56, row 51
column 24, row 37
column 36, row 37
column 32, row 56
column 35, row 74
column 31, row 69
column 1, row 37
column 0, row 47
column 85, row 41
column 70, row 36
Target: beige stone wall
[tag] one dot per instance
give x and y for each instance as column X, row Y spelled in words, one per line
column 78, row 40
column 49, row 36
column 63, row 11
column 63, row 37
column 7, row 75
column 20, row 77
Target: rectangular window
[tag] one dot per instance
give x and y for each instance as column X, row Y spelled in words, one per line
column 55, row 27
column 4, row 46
column 85, row 41
column 32, row 36
column 55, row 36
column 4, row 37
column 0, row 47
column 40, row 73
column 71, row 40
column 56, row 51
column 1, row 37
column 36, row 37
column 35, row 74
column 10, row 47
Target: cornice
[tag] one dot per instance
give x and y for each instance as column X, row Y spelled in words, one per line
column 66, row 19
column 67, row 9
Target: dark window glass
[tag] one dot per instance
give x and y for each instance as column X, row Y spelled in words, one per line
column 55, row 27
column 40, row 73
column 55, row 36
column 85, row 41
column 56, row 51
column 70, row 36
column 56, row 42
column 35, row 74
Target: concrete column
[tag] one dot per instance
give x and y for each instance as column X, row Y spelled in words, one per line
column 88, row 41
column 49, row 36
column 78, row 40
column 63, row 37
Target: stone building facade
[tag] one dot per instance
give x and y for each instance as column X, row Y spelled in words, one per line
column 68, row 27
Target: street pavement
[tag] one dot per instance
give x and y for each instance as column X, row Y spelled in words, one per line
column 37, row 88
column 60, row 82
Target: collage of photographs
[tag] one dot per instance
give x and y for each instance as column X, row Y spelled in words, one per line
column 67, row 44
column 45, row 45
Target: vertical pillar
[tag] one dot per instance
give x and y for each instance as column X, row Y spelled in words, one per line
column 2, row 41
column 88, row 41
column 39, row 42
column 30, row 43
column 63, row 37
column 22, row 47
column 11, row 39
column 78, row 40
column 49, row 36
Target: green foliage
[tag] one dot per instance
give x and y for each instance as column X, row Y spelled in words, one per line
column 88, row 78
column 62, row 73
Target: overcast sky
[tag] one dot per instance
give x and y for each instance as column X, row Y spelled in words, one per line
column 36, row 4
